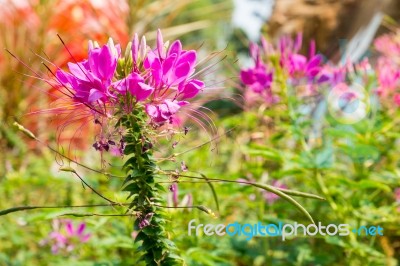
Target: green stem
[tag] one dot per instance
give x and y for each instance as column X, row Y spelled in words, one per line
column 145, row 194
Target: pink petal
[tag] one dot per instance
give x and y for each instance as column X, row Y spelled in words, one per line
column 192, row 89
column 135, row 48
column 188, row 57
column 152, row 110
column 69, row 227
column 182, row 71
column 81, row 228
column 175, row 48
column 95, row 95
column 160, row 44
column 78, row 71
column 247, row 76
column 144, row 92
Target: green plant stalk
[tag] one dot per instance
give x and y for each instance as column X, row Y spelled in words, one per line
column 145, row 194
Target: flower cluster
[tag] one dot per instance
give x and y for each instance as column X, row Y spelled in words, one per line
column 281, row 60
column 161, row 79
column 158, row 81
column 387, row 69
column 65, row 237
column 283, row 63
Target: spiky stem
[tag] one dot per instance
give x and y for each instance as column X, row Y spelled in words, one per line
column 145, row 193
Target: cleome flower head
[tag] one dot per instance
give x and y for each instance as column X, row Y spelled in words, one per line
column 159, row 79
column 65, row 237
column 282, row 61
column 157, row 82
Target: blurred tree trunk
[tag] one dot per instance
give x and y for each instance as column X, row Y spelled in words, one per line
column 328, row 21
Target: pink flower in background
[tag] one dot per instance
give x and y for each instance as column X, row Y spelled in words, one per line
column 271, row 197
column 396, row 99
column 333, row 75
column 397, row 197
column 288, row 45
column 388, row 76
column 66, row 237
column 299, row 66
column 258, row 78
column 388, row 44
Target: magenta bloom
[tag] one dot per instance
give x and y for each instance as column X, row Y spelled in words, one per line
column 90, row 79
column 333, row 75
column 170, row 74
column 157, row 82
column 299, row 66
column 163, row 112
column 258, row 78
column 65, row 237
column 135, row 85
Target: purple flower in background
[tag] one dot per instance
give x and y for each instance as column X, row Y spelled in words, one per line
column 299, row 66
column 333, row 75
column 65, row 236
column 258, row 79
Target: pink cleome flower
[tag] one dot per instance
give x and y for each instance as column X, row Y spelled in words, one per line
column 65, row 236
column 258, row 78
column 295, row 66
column 271, row 197
column 160, row 79
column 109, row 85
